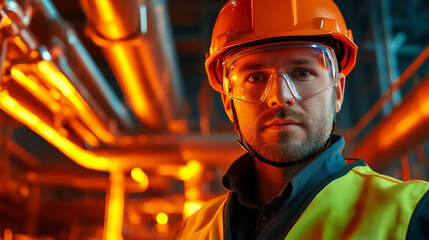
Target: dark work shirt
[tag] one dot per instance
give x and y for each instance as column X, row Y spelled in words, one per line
column 248, row 220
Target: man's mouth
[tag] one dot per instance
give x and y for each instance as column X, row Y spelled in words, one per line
column 282, row 125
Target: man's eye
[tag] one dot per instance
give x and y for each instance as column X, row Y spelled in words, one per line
column 302, row 73
column 256, row 77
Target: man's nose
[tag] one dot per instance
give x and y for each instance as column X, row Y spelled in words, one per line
column 280, row 93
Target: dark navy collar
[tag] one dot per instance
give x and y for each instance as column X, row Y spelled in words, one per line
column 240, row 176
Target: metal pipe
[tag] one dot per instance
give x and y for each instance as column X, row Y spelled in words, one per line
column 83, row 67
column 396, row 134
column 114, row 207
column 138, row 48
column 385, row 98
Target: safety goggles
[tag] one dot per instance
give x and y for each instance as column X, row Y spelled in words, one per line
column 307, row 68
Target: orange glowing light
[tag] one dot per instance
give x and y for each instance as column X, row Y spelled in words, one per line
column 134, row 217
column 167, row 170
column 109, row 18
column 191, row 207
column 115, row 210
column 79, row 155
column 162, row 229
column 8, row 234
column 190, row 170
column 25, row 192
column 21, row 45
column 401, row 128
column 5, row 22
column 47, row 132
column 24, row 115
column 84, row 133
column 133, row 87
column 139, row 176
column 34, row 54
column 425, row 105
column 7, row 102
column 63, row 85
column 162, row 218
column 192, row 193
column 407, row 123
column 56, row 78
column 31, row 86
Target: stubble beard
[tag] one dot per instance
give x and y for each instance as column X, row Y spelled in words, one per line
column 286, row 151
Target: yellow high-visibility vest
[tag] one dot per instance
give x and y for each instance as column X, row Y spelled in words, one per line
column 361, row 204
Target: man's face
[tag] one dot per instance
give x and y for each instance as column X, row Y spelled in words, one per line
column 281, row 128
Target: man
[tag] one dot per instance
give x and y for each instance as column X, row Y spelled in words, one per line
column 280, row 66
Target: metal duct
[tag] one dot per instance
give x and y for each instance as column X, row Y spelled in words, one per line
column 135, row 37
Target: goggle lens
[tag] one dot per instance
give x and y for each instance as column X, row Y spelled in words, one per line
column 307, row 68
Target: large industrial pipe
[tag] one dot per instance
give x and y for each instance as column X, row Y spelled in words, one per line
column 78, row 63
column 137, row 46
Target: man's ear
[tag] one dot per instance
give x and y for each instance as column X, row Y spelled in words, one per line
column 339, row 88
column 227, row 106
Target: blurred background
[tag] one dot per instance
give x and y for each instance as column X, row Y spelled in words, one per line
column 110, row 130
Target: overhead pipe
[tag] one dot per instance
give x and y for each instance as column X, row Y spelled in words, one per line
column 399, row 132
column 146, row 152
column 77, row 63
column 50, row 80
column 385, row 98
column 135, row 37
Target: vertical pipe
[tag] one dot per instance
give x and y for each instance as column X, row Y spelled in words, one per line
column 405, row 163
column 33, row 210
column 391, row 53
column 5, row 158
column 114, row 207
column 380, row 52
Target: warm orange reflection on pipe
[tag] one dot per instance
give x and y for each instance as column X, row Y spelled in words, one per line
column 43, row 95
column 401, row 129
column 84, row 133
column 5, row 22
column 403, row 123
column 132, row 86
column 82, row 157
column 62, row 84
column 115, row 207
column 21, row 45
column 425, row 105
column 109, row 18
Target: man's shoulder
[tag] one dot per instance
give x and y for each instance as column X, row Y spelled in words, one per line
column 368, row 173
column 211, row 207
column 208, row 218
column 383, row 185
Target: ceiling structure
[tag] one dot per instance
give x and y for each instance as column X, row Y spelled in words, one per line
column 136, row 123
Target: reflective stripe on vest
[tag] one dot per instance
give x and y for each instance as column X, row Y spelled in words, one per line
column 362, row 204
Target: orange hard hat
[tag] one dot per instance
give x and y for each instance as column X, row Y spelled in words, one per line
column 248, row 21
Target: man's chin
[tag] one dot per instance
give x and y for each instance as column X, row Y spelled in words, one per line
column 284, row 139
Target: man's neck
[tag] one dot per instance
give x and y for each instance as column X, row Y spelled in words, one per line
column 271, row 180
